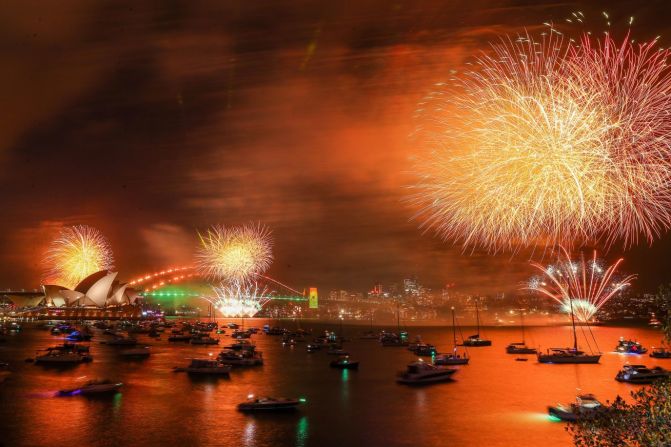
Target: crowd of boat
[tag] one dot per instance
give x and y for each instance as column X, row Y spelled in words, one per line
column 430, row 367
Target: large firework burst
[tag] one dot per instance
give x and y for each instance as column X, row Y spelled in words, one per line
column 234, row 254
column 549, row 141
column 581, row 287
column 76, row 253
column 237, row 299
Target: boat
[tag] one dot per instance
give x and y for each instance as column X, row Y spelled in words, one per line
column 205, row 366
column 660, row 353
column 94, row 387
column 242, row 358
column 474, row 340
column 520, row 347
column 61, row 357
column 204, row 340
column 136, row 353
column 336, row 350
column 422, row 373
column 120, row 340
column 69, row 347
column 629, row 347
column 270, row 404
column 390, row 339
column 179, row 337
column 232, row 325
column 640, row 374
column 568, row 355
column 654, row 322
column 585, row 406
column 241, row 334
column 240, row 345
column 369, row 335
column 453, row 358
column 79, row 336
column 344, row 363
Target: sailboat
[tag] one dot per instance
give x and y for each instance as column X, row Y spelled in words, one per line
column 520, row 347
column 568, row 355
column 475, row 340
column 453, row 358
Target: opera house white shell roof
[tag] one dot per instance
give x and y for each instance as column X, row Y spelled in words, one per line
column 99, row 289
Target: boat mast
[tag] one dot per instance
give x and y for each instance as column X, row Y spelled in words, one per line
column 477, row 316
column 575, row 336
column 522, row 316
column 398, row 316
column 454, row 332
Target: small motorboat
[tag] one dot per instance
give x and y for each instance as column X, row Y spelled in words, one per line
column 629, row 347
column 79, row 336
column 232, row 325
column 206, row 367
column 136, row 353
column 241, row 358
column 660, row 353
column 237, row 334
column 337, row 351
column 422, row 373
column 425, row 350
column 640, row 374
column 270, row 404
column 585, row 406
column 521, row 359
column 344, row 363
column 240, row 345
column 204, row 340
column 61, row 357
column 184, row 338
column 519, row 348
column 94, row 387
column 313, row 347
column 120, row 340
column 451, row 359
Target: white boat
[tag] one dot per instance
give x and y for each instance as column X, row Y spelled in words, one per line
column 585, row 406
column 206, row 366
column 270, row 404
column 420, row 373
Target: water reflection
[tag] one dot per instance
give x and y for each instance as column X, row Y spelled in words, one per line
column 302, row 432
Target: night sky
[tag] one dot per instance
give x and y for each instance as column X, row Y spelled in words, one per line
column 151, row 120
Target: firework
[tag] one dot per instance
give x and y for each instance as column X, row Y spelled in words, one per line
column 78, row 252
column 239, row 299
column 549, row 141
column 234, row 253
column 581, row 287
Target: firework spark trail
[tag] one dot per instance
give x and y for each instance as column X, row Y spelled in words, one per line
column 582, row 286
column 78, row 252
column 234, row 254
column 549, row 141
column 238, row 299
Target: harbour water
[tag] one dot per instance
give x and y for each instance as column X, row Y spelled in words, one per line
column 493, row 401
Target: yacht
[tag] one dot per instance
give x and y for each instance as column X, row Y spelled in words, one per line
column 585, row 406
column 344, row 363
column 520, row 347
column 243, row 358
column 569, row 355
column 204, row 340
column 240, row 345
column 179, row 337
column 420, row 373
column 629, row 347
column 120, row 340
column 390, row 339
column 660, row 353
column 206, row 366
column 452, row 358
column 475, row 340
column 640, row 374
column 94, row 387
column 270, row 403
column 61, row 357
column 136, row 353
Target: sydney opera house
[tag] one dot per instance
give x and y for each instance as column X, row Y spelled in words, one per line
column 98, row 295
